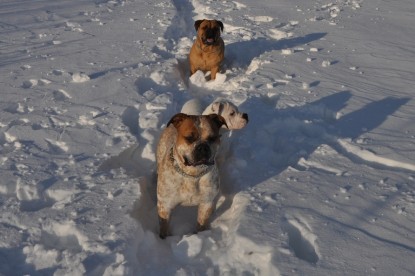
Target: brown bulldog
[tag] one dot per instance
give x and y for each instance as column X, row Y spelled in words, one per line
column 186, row 170
column 208, row 50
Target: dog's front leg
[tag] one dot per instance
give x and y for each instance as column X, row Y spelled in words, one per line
column 203, row 215
column 164, row 218
column 193, row 69
column 213, row 72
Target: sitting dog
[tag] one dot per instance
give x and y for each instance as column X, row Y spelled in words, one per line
column 208, row 50
column 186, row 170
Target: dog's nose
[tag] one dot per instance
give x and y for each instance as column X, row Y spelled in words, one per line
column 245, row 116
column 202, row 151
column 210, row 33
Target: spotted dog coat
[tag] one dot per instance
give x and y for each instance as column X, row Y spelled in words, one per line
column 186, row 169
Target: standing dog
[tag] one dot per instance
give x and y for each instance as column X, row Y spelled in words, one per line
column 186, row 169
column 208, row 50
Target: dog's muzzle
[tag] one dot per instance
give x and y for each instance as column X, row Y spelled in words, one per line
column 202, row 152
column 210, row 37
column 201, row 156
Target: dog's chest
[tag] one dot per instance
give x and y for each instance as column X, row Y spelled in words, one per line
column 193, row 191
column 207, row 56
column 210, row 59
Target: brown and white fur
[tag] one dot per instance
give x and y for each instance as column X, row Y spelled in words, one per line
column 187, row 173
column 228, row 110
column 235, row 120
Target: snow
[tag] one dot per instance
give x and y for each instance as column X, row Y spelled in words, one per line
column 320, row 182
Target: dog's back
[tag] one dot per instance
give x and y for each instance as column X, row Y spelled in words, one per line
column 192, row 107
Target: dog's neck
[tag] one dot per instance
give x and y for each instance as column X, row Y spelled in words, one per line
column 206, row 48
column 205, row 170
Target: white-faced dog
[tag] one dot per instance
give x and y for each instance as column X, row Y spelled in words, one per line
column 235, row 120
column 229, row 111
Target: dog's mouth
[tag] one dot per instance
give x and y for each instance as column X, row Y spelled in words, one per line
column 209, row 41
column 202, row 162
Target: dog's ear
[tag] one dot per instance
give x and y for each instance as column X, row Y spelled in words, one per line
column 220, row 24
column 197, row 24
column 217, row 108
column 218, row 120
column 177, row 119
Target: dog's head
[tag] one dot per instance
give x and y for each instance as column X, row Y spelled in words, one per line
column 234, row 119
column 208, row 31
column 198, row 138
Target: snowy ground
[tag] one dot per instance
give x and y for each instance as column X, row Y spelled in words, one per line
column 320, row 182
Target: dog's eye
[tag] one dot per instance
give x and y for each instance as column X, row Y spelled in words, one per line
column 190, row 139
column 232, row 113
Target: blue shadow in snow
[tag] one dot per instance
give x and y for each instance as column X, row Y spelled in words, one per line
column 242, row 53
column 275, row 139
column 372, row 115
column 296, row 132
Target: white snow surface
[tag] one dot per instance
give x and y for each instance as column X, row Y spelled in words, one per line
column 320, row 182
